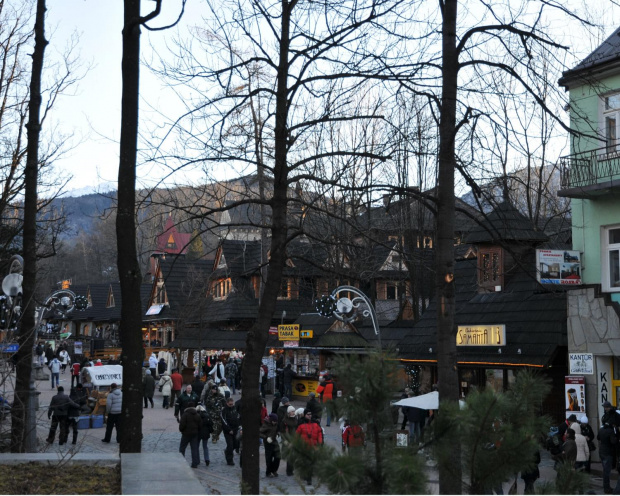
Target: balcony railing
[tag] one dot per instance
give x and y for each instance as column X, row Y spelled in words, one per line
column 589, row 168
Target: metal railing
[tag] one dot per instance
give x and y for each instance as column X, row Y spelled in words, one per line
column 591, row 167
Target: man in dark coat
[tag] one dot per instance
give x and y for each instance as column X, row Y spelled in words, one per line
column 315, row 407
column 78, row 395
column 198, row 386
column 417, row 420
column 607, row 450
column 58, row 411
column 183, row 400
column 148, row 383
column 190, row 426
column 288, row 374
column 231, row 420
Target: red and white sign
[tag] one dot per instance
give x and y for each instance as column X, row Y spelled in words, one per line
column 273, row 330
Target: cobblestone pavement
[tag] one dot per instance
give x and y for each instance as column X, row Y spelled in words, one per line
column 161, row 435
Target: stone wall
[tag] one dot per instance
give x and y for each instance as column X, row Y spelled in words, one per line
column 593, row 326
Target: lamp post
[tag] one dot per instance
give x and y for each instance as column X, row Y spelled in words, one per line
column 347, row 310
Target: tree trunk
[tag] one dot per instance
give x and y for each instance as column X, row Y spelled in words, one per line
column 257, row 336
column 128, row 267
column 23, row 427
column 449, row 481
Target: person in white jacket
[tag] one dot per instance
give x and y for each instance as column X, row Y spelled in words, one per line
column 583, row 451
column 54, row 366
column 153, row 364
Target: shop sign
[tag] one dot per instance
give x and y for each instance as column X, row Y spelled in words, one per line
column 481, row 335
column 290, row 344
column 77, row 347
column 558, row 267
column 9, row 348
column 581, row 363
column 288, row 332
column 574, row 394
column 273, row 330
column 306, row 334
column 303, row 387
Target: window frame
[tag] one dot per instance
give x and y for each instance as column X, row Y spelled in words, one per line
column 606, row 249
column 609, row 113
column 491, row 282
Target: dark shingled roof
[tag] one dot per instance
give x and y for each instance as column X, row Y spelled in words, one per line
column 535, row 321
column 194, row 339
column 608, row 51
column 505, row 223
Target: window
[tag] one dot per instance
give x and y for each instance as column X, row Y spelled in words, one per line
column 490, row 267
column 221, row 288
column 288, row 289
column 388, row 290
column 171, row 244
column 610, row 258
column 611, row 115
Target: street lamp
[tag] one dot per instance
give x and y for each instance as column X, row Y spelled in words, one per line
column 347, row 310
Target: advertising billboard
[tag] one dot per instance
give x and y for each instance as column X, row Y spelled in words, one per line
column 558, row 267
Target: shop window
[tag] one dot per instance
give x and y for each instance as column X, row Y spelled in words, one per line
column 615, row 381
column 495, row 379
column 490, row 267
column 610, row 258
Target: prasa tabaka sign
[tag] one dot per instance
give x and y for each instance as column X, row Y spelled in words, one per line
column 558, row 267
column 288, row 332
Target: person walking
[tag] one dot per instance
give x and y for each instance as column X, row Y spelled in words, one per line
column 148, row 386
column 165, row 386
column 214, row 403
column 353, row 436
column 153, row 364
column 588, row 433
column 583, row 452
column 312, row 434
column 314, row 406
column 54, row 366
column 288, row 374
column 161, row 367
column 79, row 397
column 58, row 411
column 607, row 450
column 231, row 420
column 282, row 409
column 275, row 403
column 75, row 373
column 177, row 385
column 230, row 371
column 206, row 428
column 113, row 407
column 189, row 426
column 188, row 396
column 288, row 428
column 198, row 386
column 63, row 356
column 268, row 433
column 326, row 393
column 217, row 373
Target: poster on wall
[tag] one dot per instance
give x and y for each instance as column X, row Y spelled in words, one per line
column 77, row 347
column 558, row 267
column 575, row 394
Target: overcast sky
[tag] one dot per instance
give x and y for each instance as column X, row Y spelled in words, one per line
column 92, row 111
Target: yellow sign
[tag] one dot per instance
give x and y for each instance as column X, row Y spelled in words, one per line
column 288, row 332
column 306, row 334
column 481, row 335
column 303, row 387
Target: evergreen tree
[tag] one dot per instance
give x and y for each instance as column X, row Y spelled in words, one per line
column 368, row 385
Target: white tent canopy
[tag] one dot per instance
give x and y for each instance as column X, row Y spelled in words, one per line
column 429, row 401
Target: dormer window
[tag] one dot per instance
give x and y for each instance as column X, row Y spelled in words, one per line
column 490, row 267
column 221, row 289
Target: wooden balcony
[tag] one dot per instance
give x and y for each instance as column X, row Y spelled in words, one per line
column 590, row 174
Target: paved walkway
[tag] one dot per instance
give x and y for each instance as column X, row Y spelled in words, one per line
column 161, row 439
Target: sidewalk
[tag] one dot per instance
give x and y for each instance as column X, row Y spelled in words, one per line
column 161, row 436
